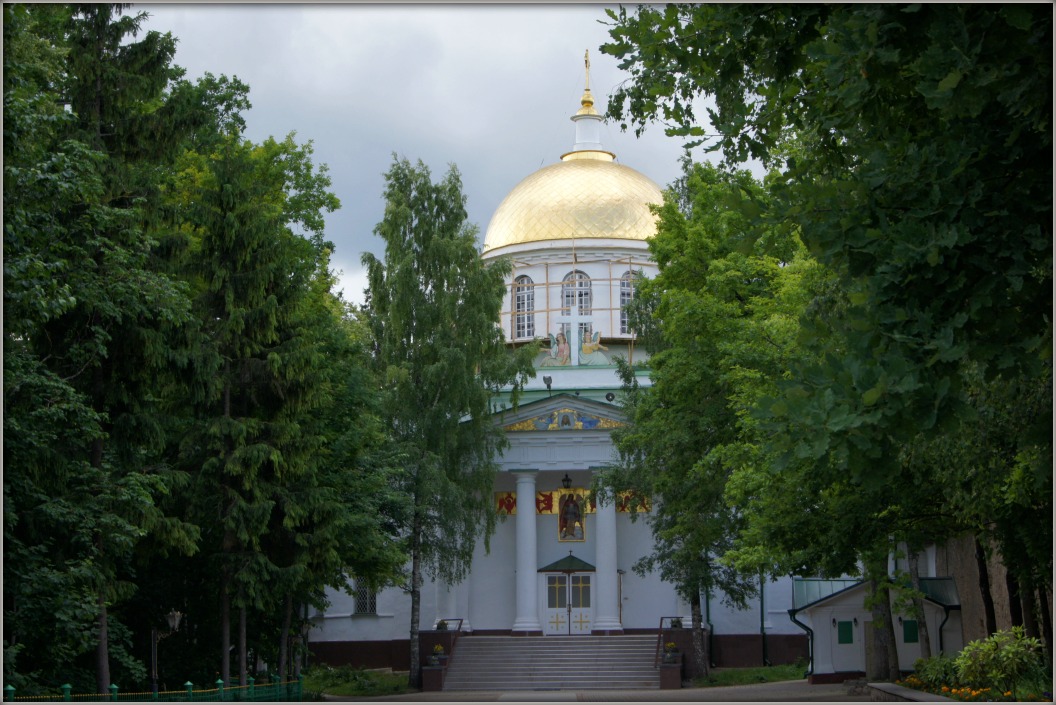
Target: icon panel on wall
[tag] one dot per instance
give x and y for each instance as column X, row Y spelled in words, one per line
column 571, row 522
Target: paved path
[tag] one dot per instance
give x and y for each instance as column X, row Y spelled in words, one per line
column 782, row 692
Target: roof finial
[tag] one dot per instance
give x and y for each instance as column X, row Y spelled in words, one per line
column 587, row 101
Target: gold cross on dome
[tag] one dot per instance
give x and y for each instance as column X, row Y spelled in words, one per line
column 586, row 62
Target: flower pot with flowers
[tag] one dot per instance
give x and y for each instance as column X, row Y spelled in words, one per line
column 438, row 655
column 671, row 652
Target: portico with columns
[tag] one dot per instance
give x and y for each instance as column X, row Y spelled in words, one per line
column 569, row 437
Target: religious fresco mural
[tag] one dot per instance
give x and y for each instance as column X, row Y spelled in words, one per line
column 560, row 353
column 590, row 351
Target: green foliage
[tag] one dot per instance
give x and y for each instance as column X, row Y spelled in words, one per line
column 182, row 392
column 900, row 136
column 432, row 307
column 909, row 145
column 440, row 358
column 1004, row 659
column 937, row 671
column 349, row 681
column 711, row 310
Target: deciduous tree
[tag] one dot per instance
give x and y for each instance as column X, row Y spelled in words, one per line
column 432, row 307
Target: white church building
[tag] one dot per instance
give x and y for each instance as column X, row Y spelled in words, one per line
column 576, row 232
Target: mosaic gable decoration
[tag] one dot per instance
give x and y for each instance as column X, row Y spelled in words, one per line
column 564, row 420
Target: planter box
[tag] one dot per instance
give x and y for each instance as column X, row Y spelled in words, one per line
column 683, row 639
column 670, row 676
column 433, row 678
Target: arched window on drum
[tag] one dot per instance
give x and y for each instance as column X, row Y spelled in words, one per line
column 524, row 307
column 575, row 290
column 626, row 296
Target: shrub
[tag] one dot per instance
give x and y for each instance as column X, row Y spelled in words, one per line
column 1004, row 659
column 937, row 671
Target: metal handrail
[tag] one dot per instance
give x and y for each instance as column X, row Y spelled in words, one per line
column 449, row 620
column 660, row 639
column 457, row 630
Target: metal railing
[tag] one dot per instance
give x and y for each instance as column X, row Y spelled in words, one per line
column 660, row 638
column 275, row 691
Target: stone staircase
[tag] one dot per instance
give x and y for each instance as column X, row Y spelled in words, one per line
column 503, row 663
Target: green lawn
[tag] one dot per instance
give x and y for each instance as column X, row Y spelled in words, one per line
column 747, row 676
column 352, row 681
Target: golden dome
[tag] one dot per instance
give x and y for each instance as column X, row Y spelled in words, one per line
column 586, row 195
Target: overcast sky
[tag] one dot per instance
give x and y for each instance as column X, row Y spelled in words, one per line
column 489, row 88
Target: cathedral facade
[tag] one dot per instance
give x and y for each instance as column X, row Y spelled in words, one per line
column 576, row 232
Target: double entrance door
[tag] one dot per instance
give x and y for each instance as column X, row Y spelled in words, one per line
column 568, row 603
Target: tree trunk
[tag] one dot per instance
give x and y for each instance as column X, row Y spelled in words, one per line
column 284, row 634
column 1029, row 608
column 226, row 548
column 885, row 649
column 700, row 656
column 243, row 651
column 984, row 588
column 300, row 656
column 918, row 607
column 102, row 646
column 225, row 628
column 102, row 649
column 1046, row 624
column 1015, row 608
column 414, row 678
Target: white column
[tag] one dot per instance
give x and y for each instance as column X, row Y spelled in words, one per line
column 607, row 613
column 445, row 601
column 462, row 605
column 527, row 619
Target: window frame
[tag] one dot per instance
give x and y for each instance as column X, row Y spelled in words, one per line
column 366, row 599
column 523, row 307
column 576, row 288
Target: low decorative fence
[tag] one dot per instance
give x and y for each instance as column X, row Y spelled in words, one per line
column 275, row 691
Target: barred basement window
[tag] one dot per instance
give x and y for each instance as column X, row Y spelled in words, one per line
column 366, row 599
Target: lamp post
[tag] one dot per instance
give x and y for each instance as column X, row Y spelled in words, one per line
column 566, row 481
column 173, row 618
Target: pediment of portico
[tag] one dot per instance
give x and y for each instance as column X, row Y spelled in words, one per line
column 562, row 413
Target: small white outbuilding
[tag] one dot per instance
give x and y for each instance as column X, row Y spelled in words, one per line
column 839, row 625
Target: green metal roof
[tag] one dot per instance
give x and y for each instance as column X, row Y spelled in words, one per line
column 942, row 591
column 568, row 564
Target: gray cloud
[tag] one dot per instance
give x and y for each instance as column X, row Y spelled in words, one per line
column 487, row 88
